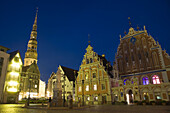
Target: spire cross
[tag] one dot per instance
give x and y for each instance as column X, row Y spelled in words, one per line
column 130, row 24
column 89, row 39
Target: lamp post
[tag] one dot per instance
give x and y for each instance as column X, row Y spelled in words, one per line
column 83, row 91
column 64, row 91
column 28, row 102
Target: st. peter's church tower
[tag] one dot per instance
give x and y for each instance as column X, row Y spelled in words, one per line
column 31, row 53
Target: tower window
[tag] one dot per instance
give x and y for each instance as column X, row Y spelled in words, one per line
column 87, row 61
column 91, row 60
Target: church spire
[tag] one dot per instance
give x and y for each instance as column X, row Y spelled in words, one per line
column 31, row 53
column 34, row 28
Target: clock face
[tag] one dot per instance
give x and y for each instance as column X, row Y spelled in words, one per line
column 133, row 40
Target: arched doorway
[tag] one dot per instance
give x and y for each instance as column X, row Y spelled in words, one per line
column 129, row 97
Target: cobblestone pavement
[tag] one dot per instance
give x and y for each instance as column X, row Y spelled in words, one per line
column 16, row 108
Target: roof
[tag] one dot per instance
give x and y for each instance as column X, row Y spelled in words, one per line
column 24, row 68
column 4, row 48
column 12, row 54
column 70, row 73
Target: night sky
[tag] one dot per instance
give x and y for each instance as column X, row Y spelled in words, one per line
column 64, row 25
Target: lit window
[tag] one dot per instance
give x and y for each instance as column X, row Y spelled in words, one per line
column 155, row 79
column 87, row 87
column 95, row 98
column 95, row 87
column 86, row 76
column 35, row 86
column 79, row 88
column 125, row 81
column 145, row 81
column 88, row 98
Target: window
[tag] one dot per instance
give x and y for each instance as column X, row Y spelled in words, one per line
column 95, row 98
column 95, row 87
column 88, row 98
column 103, row 87
column 16, row 59
column 155, row 79
column 94, row 75
column 87, row 61
column 139, row 55
column 145, row 81
column 87, row 87
column 91, row 60
column 35, row 86
column 1, row 64
column 86, row 76
column 124, row 82
column 79, row 88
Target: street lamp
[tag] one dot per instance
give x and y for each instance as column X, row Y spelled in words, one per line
column 28, row 102
column 83, row 91
column 64, row 92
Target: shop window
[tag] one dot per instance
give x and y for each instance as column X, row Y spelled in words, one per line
column 155, row 79
column 145, row 80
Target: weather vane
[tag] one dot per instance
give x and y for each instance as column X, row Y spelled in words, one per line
column 89, row 39
column 129, row 22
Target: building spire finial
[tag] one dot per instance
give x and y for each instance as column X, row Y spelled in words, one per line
column 130, row 24
column 35, row 21
column 89, row 39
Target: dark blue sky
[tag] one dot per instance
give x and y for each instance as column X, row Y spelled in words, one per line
column 63, row 27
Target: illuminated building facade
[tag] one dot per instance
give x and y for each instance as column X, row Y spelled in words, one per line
column 42, row 87
column 31, row 75
column 65, row 79
column 143, row 69
column 12, row 82
column 4, row 59
column 66, row 76
column 93, row 83
column 51, row 83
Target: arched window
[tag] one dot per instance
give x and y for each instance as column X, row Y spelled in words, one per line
column 91, row 60
column 86, row 76
column 155, row 79
column 145, row 80
column 87, row 61
column 124, row 82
